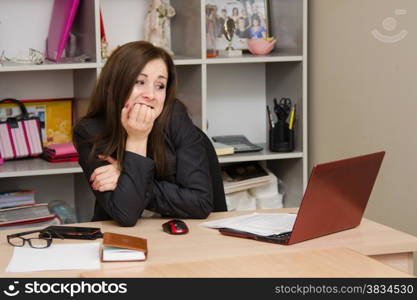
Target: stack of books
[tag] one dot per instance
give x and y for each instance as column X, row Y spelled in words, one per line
column 17, row 198
column 243, row 176
column 63, row 152
column 18, row 209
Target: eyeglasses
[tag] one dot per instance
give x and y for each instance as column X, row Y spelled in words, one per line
column 44, row 239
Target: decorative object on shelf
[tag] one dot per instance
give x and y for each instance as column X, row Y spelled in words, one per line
column 63, row 15
column 211, row 25
column 249, row 18
column 261, row 46
column 281, row 134
column 157, row 24
column 55, row 116
column 2, row 58
column 20, row 134
column 104, row 44
column 33, row 56
column 229, row 29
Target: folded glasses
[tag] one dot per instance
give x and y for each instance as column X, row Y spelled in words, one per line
column 43, row 240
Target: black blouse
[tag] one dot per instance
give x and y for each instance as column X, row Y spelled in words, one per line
column 187, row 191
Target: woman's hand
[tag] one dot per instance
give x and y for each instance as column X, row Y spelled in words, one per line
column 105, row 178
column 138, row 121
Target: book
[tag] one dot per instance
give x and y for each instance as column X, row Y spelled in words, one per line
column 223, row 149
column 121, row 247
column 243, row 176
column 63, row 15
column 24, row 213
column 63, row 152
column 40, row 222
column 17, row 198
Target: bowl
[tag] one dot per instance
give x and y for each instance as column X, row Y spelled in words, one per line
column 261, row 46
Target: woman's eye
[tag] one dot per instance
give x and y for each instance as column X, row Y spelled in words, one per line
column 140, row 82
column 161, row 86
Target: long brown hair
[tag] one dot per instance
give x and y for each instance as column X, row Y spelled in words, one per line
column 114, row 87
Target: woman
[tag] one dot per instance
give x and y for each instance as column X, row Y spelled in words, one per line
column 137, row 145
column 257, row 30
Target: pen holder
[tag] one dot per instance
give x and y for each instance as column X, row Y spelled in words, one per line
column 281, row 138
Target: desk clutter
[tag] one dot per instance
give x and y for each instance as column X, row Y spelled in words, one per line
column 249, row 186
column 31, row 248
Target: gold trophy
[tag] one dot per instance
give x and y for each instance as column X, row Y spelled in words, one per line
column 229, row 29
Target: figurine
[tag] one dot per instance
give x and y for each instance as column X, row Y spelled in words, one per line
column 157, row 27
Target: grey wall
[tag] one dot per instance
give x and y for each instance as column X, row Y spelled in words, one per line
column 363, row 96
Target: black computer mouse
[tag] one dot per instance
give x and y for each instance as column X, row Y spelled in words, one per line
column 175, row 226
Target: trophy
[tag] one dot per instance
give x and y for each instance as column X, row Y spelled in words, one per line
column 229, row 29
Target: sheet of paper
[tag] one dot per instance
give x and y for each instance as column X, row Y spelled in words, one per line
column 57, row 257
column 262, row 224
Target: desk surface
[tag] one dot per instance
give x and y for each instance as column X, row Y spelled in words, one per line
column 201, row 243
column 332, row 262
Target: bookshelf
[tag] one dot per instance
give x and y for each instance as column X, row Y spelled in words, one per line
column 224, row 95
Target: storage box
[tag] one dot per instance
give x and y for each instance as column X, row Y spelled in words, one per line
column 55, row 117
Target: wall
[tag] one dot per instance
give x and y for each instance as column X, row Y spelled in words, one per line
column 362, row 95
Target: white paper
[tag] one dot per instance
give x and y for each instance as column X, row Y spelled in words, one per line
column 261, row 224
column 56, row 257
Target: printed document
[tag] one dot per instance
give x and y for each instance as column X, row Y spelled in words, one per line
column 56, row 257
column 257, row 223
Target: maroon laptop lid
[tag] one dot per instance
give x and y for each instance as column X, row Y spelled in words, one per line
column 336, row 196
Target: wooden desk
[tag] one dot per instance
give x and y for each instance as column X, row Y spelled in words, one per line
column 332, row 262
column 385, row 244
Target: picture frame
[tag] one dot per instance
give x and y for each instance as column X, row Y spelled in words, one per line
column 251, row 21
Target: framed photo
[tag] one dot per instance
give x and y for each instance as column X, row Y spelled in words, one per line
column 250, row 17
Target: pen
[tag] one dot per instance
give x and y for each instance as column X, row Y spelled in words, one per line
column 271, row 124
column 292, row 118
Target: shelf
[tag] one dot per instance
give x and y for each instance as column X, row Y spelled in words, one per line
column 179, row 60
column 36, row 167
column 261, row 155
column 186, row 60
column 16, row 67
column 249, row 58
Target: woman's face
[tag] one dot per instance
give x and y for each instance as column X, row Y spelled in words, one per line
column 151, row 86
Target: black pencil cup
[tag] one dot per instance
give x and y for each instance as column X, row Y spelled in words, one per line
column 281, row 138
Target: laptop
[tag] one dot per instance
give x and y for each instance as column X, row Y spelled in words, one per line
column 335, row 199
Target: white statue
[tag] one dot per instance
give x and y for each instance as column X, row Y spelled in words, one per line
column 157, row 27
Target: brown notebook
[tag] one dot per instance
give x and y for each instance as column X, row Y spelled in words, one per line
column 121, row 247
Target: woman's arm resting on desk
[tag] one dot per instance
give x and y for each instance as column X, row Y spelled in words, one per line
column 127, row 201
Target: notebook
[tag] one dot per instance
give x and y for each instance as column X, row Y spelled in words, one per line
column 63, row 14
column 335, row 199
column 121, row 247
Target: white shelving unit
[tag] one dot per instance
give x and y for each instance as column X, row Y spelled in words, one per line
column 223, row 95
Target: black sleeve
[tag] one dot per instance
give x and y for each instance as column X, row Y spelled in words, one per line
column 191, row 194
column 126, row 203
